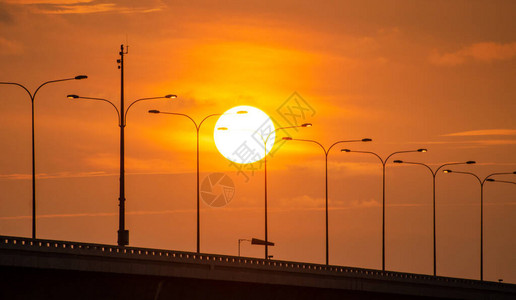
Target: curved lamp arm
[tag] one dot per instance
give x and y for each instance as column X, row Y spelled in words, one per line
column 302, row 140
column 503, row 181
column 154, row 111
column 78, row 77
column 367, row 152
column 467, row 173
column 20, row 85
column 349, row 141
column 145, row 99
column 283, row 128
column 32, row 96
column 405, row 151
column 98, row 99
column 434, row 173
column 504, row 173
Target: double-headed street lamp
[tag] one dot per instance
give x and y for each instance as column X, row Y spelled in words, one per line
column 266, row 242
column 265, row 175
column 384, row 162
column 434, row 174
column 326, row 152
column 32, row 97
column 197, row 128
column 482, row 182
column 123, row 234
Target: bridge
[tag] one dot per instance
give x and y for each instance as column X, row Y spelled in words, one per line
column 49, row 269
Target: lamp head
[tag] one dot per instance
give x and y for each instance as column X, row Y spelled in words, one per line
column 447, row 171
column 154, row 111
column 345, row 150
column 398, row 161
column 79, row 77
column 471, row 162
column 72, row 96
column 170, row 96
column 306, row 125
column 422, row 150
column 367, row 140
column 287, row 138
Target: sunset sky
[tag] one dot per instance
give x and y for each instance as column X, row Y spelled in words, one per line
column 409, row 74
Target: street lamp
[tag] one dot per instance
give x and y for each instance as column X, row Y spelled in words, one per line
column 32, row 97
column 266, row 242
column 482, row 182
column 434, row 174
column 265, row 175
column 326, row 152
column 384, row 162
column 197, row 128
column 123, row 234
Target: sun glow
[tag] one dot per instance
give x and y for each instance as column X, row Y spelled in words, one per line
column 241, row 138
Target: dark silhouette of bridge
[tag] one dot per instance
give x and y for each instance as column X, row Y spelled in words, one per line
column 48, row 269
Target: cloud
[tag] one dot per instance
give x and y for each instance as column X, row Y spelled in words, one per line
column 495, row 142
column 97, row 214
column 470, row 144
column 365, row 204
column 306, row 202
column 481, row 52
column 89, row 6
column 61, row 2
column 484, row 132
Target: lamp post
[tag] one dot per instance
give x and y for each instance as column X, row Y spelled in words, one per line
column 434, row 174
column 123, row 234
column 266, row 242
column 265, row 180
column 32, row 97
column 384, row 162
column 481, row 182
column 326, row 152
column 197, row 128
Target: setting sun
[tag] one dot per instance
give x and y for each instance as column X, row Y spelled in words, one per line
column 241, row 139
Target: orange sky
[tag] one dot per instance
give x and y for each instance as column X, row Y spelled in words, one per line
column 409, row 74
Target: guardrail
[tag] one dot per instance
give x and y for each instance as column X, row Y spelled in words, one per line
column 40, row 245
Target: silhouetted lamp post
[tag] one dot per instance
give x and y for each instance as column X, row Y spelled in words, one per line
column 197, row 128
column 326, row 152
column 434, row 174
column 265, row 180
column 482, row 182
column 123, row 234
column 32, row 97
column 266, row 242
column 384, row 162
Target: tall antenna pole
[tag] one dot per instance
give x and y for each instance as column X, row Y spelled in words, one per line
column 123, row 235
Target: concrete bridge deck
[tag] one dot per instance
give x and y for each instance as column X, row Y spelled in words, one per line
column 49, row 269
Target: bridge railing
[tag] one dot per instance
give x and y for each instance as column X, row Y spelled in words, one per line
column 40, row 245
